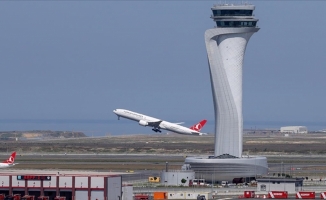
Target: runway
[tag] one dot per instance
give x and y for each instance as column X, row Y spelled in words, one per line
column 295, row 165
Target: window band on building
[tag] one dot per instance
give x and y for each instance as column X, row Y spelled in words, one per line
column 236, row 23
column 217, row 13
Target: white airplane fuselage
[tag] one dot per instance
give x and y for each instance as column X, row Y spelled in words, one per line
column 145, row 120
column 5, row 165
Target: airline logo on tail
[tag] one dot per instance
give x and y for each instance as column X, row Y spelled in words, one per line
column 199, row 126
column 11, row 159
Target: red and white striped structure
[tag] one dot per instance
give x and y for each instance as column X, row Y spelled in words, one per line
column 278, row 195
column 323, row 195
column 305, row 195
column 249, row 194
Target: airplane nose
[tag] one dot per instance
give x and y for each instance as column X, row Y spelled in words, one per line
column 115, row 111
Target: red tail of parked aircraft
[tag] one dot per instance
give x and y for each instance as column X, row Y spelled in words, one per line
column 9, row 162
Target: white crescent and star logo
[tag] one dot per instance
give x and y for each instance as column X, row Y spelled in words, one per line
column 198, row 126
column 11, row 160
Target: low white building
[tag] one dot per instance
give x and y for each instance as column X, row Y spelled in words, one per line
column 188, row 195
column 127, row 192
column 294, row 129
column 177, row 177
column 291, row 185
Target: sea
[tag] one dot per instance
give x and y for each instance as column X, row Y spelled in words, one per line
column 102, row 127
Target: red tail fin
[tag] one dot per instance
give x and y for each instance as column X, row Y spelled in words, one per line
column 199, row 126
column 11, row 159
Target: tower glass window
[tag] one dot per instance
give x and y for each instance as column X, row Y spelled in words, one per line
column 217, row 13
column 236, row 23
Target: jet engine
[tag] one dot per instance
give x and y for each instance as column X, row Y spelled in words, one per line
column 143, row 123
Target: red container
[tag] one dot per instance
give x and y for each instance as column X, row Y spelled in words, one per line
column 249, row 194
column 323, row 195
column 305, row 195
column 278, row 195
column 141, row 197
column 27, row 197
column 16, row 197
column 59, row 198
column 43, row 198
column 2, row 196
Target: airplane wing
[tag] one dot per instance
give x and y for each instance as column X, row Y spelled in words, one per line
column 179, row 123
column 154, row 124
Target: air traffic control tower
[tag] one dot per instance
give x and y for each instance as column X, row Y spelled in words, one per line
column 226, row 44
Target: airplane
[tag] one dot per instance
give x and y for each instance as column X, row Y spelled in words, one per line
column 158, row 124
column 9, row 162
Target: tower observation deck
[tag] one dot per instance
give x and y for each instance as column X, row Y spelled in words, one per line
column 229, row 15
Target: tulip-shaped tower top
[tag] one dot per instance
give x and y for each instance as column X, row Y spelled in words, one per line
column 229, row 15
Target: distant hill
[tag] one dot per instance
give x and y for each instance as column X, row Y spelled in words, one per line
column 39, row 134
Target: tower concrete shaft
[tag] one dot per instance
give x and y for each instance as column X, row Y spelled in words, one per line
column 226, row 46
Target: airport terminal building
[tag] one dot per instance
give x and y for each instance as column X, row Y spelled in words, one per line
column 218, row 169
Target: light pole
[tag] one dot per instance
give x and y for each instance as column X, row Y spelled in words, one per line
column 212, row 184
column 282, row 175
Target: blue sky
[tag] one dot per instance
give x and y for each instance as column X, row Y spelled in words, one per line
column 81, row 59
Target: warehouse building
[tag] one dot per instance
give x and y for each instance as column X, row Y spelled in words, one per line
column 294, row 129
column 73, row 186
